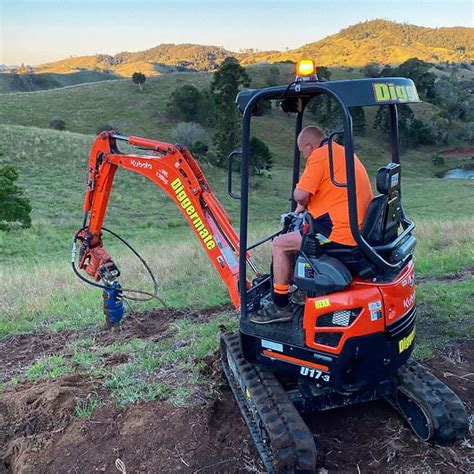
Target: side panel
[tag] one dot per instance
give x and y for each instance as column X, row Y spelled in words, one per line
column 399, row 295
column 329, row 315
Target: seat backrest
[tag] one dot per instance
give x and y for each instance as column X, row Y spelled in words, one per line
column 382, row 219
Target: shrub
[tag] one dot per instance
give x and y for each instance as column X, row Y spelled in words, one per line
column 188, row 133
column 437, row 160
column 14, row 206
column 107, row 127
column 186, row 103
column 57, row 124
column 199, row 149
column 261, row 159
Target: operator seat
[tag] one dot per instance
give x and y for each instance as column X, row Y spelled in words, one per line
column 382, row 219
column 381, row 222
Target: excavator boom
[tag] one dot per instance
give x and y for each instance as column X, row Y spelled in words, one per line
column 173, row 168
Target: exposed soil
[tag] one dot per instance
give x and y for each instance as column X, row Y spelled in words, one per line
column 462, row 275
column 40, row 434
column 19, row 351
column 459, row 151
column 372, row 438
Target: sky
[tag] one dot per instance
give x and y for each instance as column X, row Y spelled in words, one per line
column 37, row 31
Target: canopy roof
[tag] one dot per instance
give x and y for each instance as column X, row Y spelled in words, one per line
column 352, row 93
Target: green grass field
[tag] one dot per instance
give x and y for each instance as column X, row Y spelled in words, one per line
column 15, row 83
column 38, row 291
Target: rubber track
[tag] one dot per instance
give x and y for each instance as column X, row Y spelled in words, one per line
column 287, row 444
column 446, row 411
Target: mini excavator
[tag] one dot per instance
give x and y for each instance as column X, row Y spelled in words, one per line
column 351, row 341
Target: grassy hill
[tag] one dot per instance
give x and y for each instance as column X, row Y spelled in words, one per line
column 382, row 42
column 379, row 41
column 11, row 82
column 150, row 61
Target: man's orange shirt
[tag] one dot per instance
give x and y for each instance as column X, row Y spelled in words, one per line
column 328, row 202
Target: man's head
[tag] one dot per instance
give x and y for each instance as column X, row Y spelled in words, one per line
column 309, row 139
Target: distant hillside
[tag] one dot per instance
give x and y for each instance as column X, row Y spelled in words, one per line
column 162, row 58
column 382, row 42
column 379, row 41
column 35, row 82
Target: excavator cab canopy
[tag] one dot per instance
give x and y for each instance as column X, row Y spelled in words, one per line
column 293, row 98
column 351, row 93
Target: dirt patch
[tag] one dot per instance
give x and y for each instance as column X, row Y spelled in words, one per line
column 20, row 351
column 38, row 432
column 459, row 151
column 372, row 438
column 462, row 275
column 151, row 437
column 31, row 413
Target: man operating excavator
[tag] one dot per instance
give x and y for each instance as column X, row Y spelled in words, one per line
column 328, row 206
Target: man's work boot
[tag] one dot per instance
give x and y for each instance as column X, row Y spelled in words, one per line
column 298, row 297
column 272, row 313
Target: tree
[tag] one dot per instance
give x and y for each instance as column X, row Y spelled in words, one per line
column 469, row 127
column 420, row 133
column 418, row 71
column 272, row 76
column 323, row 108
column 358, row 120
column 371, row 70
column 405, row 117
column 186, row 103
column 260, row 156
column 225, row 86
column 14, row 206
column 139, row 79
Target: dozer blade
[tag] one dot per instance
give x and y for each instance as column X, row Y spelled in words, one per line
column 433, row 411
column 281, row 437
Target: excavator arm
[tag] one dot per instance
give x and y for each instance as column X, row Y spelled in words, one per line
column 173, row 168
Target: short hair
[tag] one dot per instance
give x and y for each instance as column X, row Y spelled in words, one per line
column 311, row 134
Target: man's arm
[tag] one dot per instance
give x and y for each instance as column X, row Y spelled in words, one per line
column 302, row 198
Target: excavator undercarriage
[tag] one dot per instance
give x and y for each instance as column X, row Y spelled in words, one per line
column 272, row 407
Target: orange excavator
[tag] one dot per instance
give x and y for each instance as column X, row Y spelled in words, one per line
column 351, row 341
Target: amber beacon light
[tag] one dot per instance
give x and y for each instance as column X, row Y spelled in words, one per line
column 306, row 70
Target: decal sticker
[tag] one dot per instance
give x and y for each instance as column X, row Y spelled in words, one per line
column 141, row 164
column 325, row 303
column 375, row 309
column 272, row 345
column 394, row 180
column 406, row 342
column 162, row 175
column 409, row 302
column 384, row 92
column 314, row 374
column 192, row 215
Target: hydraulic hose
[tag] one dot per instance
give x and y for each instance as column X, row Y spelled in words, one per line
column 151, row 296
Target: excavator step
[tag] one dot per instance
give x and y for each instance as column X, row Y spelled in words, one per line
column 433, row 411
column 283, row 440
